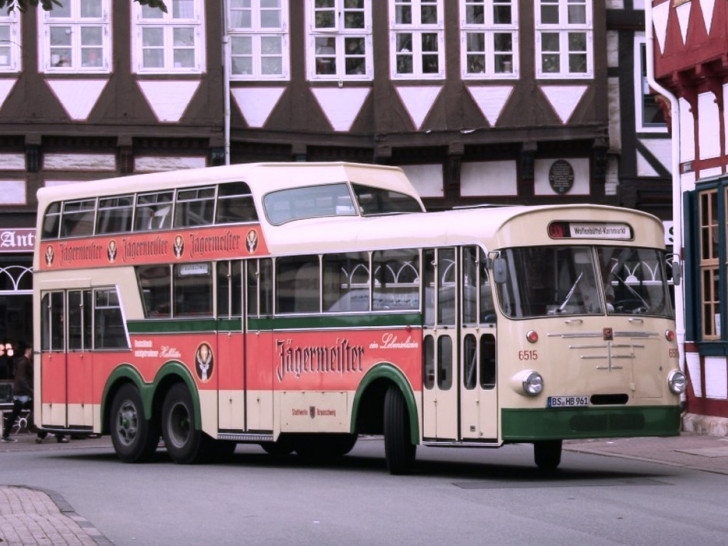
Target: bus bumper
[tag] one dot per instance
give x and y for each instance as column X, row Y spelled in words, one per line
column 527, row 425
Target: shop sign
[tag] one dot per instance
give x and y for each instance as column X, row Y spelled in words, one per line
column 17, row 239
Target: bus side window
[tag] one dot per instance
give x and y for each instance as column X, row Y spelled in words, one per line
column 235, row 204
column 78, row 218
column 346, row 282
column 396, row 280
column 153, row 211
column 297, row 284
column 155, row 288
column 192, row 290
column 194, row 207
column 109, row 332
column 51, row 221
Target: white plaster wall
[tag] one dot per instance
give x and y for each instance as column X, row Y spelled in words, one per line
column 13, row 192
column 708, row 126
column 12, row 162
column 488, row 178
column 716, row 385
column 687, row 134
column 427, row 179
column 79, row 162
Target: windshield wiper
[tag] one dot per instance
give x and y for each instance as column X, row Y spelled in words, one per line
column 570, row 293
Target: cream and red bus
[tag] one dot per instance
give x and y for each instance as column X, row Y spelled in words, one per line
column 300, row 305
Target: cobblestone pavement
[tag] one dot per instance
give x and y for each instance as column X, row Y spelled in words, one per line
column 33, row 516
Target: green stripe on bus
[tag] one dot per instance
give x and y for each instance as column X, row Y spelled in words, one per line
column 527, row 425
column 170, row 326
column 311, row 322
column 315, row 322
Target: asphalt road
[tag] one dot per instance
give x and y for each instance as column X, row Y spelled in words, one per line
column 461, row 496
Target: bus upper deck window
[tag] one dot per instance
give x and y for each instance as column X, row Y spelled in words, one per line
column 51, row 221
column 235, row 204
column 194, row 207
column 373, row 201
column 77, row 219
column 153, row 211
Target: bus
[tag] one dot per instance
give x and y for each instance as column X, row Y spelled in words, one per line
column 300, row 305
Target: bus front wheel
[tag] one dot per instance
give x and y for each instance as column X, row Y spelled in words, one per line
column 185, row 444
column 398, row 448
column 134, row 438
column 547, row 454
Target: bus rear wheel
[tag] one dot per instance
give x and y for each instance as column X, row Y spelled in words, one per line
column 185, row 444
column 134, row 438
column 398, row 448
column 547, row 454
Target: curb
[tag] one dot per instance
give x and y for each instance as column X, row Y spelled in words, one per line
column 82, row 525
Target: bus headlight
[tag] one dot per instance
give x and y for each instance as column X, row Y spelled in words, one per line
column 528, row 382
column 677, row 382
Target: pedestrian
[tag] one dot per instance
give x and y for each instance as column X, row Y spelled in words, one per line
column 23, row 395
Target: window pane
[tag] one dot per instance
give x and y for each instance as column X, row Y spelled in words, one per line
column 429, row 15
column 91, row 36
column 109, row 332
column 183, row 9
column 470, row 362
column 152, row 37
column 154, row 284
column 474, row 15
column 577, row 15
column 297, row 284
column 444, row 362
column 89, row 8
column 403, row 15
column 502, row 15
column 396, row 280
column 192, row 289
column 61, row 36
column 549, row 15
column 151, row 13
column 346, row 282
column 429, row 363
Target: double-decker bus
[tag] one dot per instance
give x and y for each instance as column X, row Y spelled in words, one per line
column 300, row 305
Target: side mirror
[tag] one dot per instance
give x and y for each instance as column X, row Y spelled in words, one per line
column 677, row 272
column 500, row 270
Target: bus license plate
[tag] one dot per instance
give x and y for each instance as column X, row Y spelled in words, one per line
column 568, row 401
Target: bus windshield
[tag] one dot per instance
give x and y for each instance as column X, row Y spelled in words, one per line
column 584, row 280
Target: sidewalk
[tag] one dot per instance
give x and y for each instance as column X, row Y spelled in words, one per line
column 35, row 516
column 32, row 516
column 689, row 450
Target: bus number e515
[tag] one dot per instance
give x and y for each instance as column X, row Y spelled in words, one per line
column 528, row 355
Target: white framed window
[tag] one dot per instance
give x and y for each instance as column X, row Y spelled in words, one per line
column 417, row 39
column 648, row 117
column 489, row 38
column 76, row 37
column 259, row 41
column 171, row 42
column 10, row 48
column 339, row 39
column 564, row 39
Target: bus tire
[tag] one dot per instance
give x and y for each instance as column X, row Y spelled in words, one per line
column 398, row 448
column 134, row 438
column 185, row 444
column 547, row 454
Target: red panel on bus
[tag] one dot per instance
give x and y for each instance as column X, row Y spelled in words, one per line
column 154, row 247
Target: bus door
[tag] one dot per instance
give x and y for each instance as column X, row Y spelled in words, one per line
column 478, row 398
column 259, row 346
column 440, row 379
column 230, row 346
column 53, row 362
column 79, row 358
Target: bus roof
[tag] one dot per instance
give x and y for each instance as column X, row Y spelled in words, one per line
column 527, row 225
column 262, row 178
